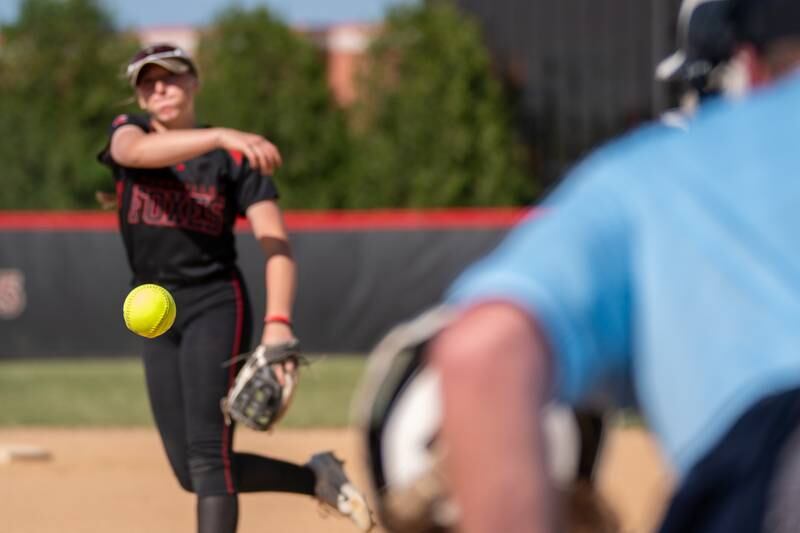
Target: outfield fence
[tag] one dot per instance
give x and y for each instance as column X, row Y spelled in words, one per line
column 64, row 276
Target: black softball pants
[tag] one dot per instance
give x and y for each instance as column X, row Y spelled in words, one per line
column 186, row 379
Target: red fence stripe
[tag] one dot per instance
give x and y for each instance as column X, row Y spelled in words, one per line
column 402, row 219
column 57, row 220
column 345, row 220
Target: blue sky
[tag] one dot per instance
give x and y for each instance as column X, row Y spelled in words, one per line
column 129, row 13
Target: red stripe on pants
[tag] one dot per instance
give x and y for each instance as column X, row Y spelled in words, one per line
column 237, row 341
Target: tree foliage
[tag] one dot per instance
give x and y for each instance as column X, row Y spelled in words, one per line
column 257, row 75
column 433, row 127
column 59, row 85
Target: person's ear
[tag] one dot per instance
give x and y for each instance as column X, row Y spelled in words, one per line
column 757, row 71
column 141, row 101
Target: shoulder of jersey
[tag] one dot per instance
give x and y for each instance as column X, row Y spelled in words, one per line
column 120, row 119
column 236, row 156
column 127, row 118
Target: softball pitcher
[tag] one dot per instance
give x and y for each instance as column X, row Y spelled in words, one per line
column 180, row 188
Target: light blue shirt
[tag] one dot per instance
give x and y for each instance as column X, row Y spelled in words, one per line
column 671, row 261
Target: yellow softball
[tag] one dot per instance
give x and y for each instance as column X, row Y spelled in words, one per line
column 149, row 310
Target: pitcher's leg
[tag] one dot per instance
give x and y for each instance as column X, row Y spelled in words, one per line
column 165, row 392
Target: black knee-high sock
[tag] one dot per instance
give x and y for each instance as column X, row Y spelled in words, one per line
column 217, row 514
column 256, row 473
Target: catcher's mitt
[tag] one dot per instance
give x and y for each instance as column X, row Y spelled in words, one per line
column 258, row 398
column 399, row 411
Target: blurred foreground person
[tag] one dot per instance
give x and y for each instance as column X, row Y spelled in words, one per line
column 667, row 271
column 399, row 410
column 180, row 188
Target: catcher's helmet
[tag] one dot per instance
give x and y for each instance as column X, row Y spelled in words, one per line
column 399, row 411
column 705, row 39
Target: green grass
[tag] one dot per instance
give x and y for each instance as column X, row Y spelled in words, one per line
column 111, row 392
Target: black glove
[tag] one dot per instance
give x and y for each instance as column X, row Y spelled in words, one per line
column 258, row 398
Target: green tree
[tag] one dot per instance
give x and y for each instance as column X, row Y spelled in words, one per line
column 258, row 75
column 433, row 126
column 60, row 85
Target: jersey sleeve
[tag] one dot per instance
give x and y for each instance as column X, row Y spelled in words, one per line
column 251, row 186
column 119, row 121
column 568, row 266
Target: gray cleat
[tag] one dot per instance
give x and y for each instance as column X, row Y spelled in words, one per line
column 336, row 491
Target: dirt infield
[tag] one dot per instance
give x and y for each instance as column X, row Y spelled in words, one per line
column 107, row 480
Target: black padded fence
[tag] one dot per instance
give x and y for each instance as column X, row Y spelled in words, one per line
column 61, row 289
column 583, row 70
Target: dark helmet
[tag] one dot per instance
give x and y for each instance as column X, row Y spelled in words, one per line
column 705, row 39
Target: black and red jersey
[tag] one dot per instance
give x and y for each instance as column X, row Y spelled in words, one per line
column 177, row 222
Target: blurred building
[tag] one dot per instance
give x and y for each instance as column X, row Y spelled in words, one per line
column 582, row 70
column 343, row 46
